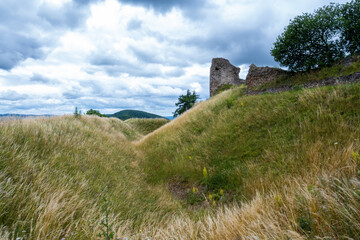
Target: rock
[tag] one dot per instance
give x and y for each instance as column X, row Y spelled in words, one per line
column 222, row 72
column 261, row 75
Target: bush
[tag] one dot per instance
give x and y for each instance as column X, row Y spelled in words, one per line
column 95, row 112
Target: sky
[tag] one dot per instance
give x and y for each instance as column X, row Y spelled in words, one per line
column 112, row 55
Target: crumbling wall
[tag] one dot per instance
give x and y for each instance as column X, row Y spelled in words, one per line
column 222, row 72
column 258, row 76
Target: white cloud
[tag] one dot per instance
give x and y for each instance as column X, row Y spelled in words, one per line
column 112, row 55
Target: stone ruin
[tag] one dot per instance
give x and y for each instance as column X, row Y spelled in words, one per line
column 223, row 73
column 258, row 76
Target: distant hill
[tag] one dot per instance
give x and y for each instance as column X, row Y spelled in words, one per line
column 11, row 115
column 127, row 114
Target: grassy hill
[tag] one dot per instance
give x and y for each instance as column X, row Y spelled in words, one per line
column 127, row 114
column 271, row 166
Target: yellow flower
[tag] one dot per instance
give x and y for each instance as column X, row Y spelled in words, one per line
column 221, row 192
column 190, row 157
column 355, row 156
column 214, row 203
column 242, row 104
column 210, row 196
column 205, row 173
column 195, row 190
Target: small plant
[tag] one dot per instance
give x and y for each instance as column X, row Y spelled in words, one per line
column 230, row 101
column 77, row 113
column 206, row 178
column 356, row 157
column 195, row 196
column 106, row 230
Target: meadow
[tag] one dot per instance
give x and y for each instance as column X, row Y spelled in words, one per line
column 270, row 166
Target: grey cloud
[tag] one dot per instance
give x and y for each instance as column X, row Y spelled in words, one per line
column 15, row 48
column 238, row 46
column 95, row 88
column 22, row 23
column 69, row 15
column 177, row 72
column 73, row 93
column 146, row 56
column 174, row 57
column 165, row 5
column 134, row 24
column 146, row 71
column 40, row 79
column 104, row 60
column 11, row 95
column 86, row 2
column 115, row 66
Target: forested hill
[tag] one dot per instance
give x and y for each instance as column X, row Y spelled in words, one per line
column 127, row 114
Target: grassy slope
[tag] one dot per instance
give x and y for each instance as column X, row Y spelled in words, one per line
column 55, row 172
column 344, row 67
column 284, row 161
column 146, row 126
column 256, row 140
column 261, row 144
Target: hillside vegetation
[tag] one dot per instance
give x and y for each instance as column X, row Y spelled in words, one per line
column 127, row 114
column 281, row 166
column 345, row 67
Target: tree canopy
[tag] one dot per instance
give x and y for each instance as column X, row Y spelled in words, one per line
column 95, row 112
column 185, row 102
column 319, row 39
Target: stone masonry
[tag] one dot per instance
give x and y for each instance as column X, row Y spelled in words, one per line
column 222, row 72
column 261, row 75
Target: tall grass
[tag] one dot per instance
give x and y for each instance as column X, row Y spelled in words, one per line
column 54, row 173
column 287, row 164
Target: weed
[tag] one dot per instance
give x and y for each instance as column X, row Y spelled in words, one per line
column 195, row 197
column 106, row 227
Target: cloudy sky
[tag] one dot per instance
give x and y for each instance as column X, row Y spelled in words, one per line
column 112, row 55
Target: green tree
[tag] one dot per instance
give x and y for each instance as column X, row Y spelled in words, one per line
column 310, row 40
column 77, row 113
column 95, row 112
column 185, row 102
column 350, row 26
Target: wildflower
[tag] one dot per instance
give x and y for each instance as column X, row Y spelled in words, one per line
column 210, row 196
column 355, row 156
column 221, row 192
column 242, row 104
column 205, row 173
column 214, row 203
column 190, row 157
column 195, row 189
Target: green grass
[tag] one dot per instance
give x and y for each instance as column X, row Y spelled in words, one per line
column 287, row 165
column 146, row 126
column 257, row 139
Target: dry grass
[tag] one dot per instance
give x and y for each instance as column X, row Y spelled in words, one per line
column 287, row 163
